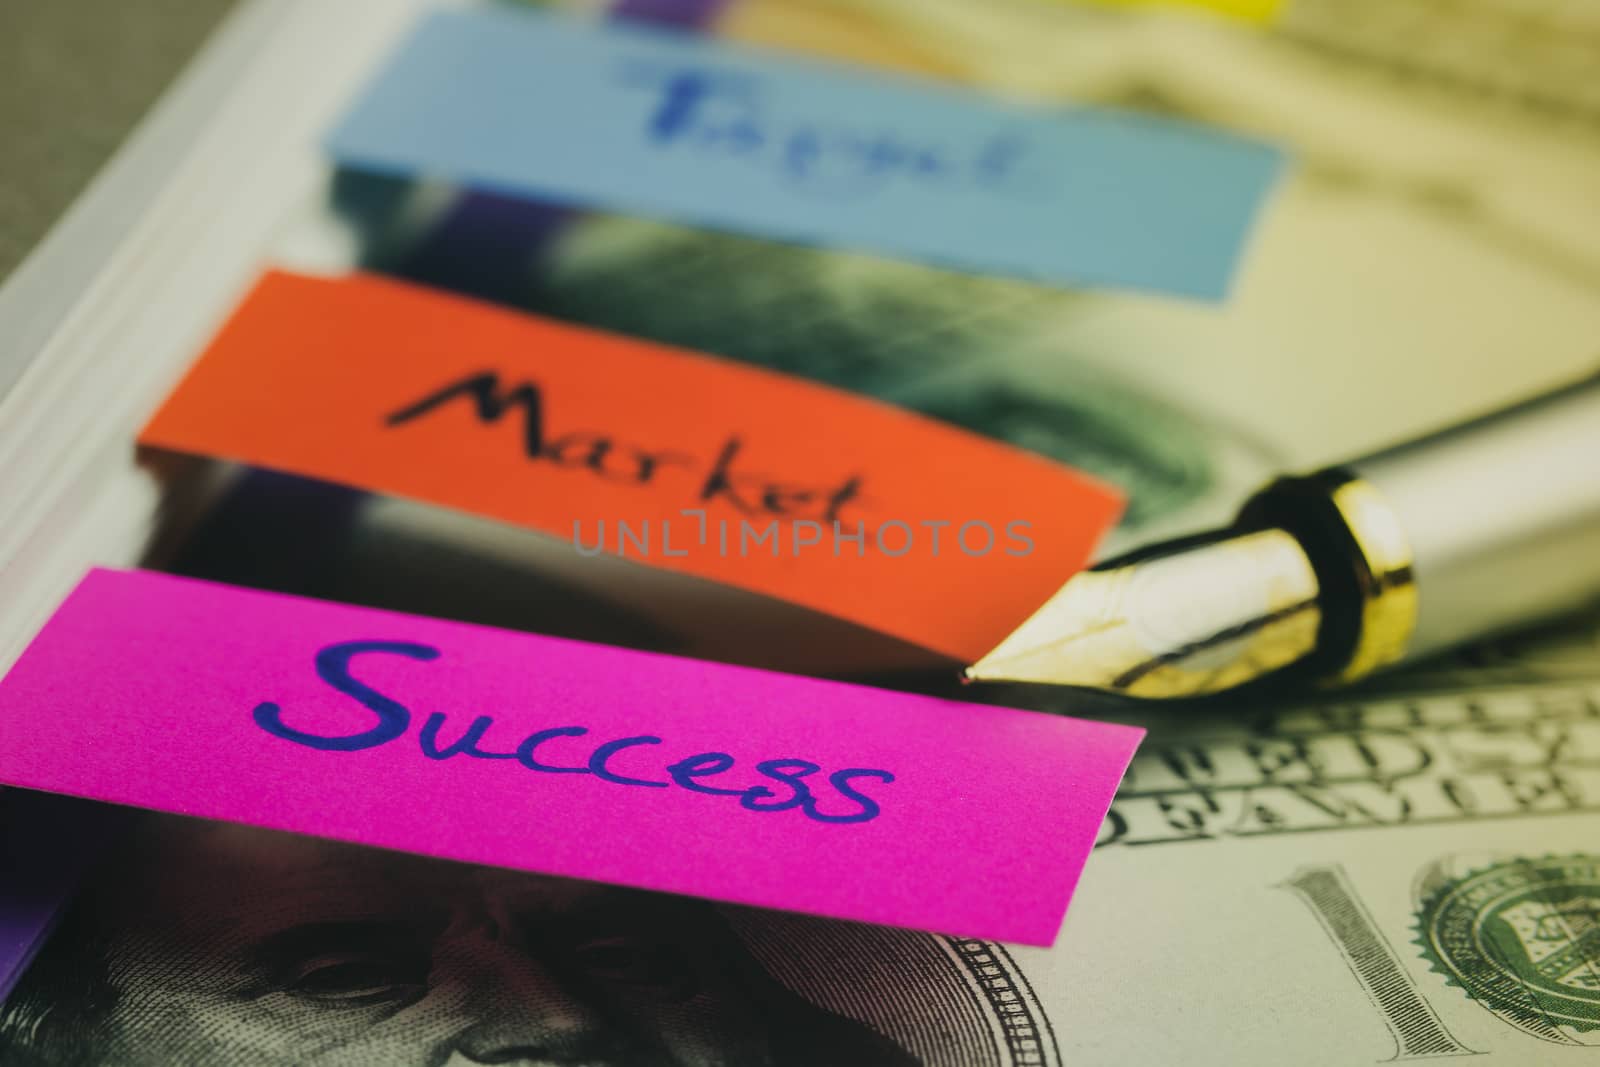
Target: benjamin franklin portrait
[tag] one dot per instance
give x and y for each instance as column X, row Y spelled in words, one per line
column 197, row 943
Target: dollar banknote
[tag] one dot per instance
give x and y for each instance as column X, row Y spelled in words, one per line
column 1406, row 871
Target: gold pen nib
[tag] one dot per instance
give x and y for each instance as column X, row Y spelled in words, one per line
column 1207, row 615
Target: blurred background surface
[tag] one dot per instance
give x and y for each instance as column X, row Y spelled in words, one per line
column 75, row 78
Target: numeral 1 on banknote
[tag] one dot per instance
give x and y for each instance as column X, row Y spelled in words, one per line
column 1417, row 1031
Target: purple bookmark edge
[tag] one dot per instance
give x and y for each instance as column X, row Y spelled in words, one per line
column 690, row 14
column 47, row 844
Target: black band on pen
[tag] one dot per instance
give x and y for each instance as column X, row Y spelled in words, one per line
column 1304, row 507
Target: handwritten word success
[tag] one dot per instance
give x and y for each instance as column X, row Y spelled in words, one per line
column 394, row 388
column 584, row 761
column 393, row 719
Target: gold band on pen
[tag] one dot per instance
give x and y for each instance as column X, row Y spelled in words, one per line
column 1364, row 566
column 1384, row 568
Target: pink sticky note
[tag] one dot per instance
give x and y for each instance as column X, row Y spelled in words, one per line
column 572, row 759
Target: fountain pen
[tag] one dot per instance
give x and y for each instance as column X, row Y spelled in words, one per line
column 1327, row 577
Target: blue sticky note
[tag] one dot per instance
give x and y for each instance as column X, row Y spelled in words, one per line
column 673, row 126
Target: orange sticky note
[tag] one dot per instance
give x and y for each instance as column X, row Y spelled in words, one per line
column 677, row 459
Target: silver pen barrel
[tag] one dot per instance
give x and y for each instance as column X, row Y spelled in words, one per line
column 1501, row 515
column 1459, row 535
column 1336, row 574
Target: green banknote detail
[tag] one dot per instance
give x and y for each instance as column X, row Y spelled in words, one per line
column 1523, row 938
column 962, row 348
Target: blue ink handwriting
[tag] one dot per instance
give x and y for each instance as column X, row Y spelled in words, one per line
column 786, row 783
column 726, row 115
